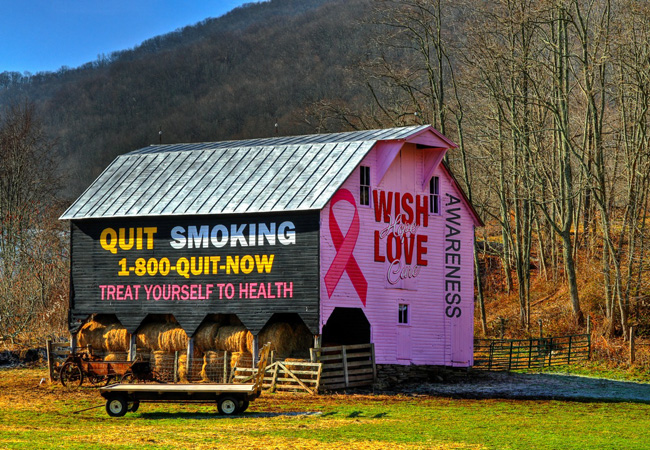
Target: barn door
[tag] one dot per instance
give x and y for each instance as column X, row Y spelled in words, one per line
column 404, row 343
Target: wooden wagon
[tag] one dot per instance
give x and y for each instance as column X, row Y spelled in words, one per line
column 79, row 367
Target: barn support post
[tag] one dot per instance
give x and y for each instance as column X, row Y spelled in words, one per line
column 175, row 368
column 73, row 342
column 190, row 354
column 225, row 366
column 255, row 349
column 132, row 348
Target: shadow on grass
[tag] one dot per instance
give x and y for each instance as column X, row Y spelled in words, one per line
column 159, row 415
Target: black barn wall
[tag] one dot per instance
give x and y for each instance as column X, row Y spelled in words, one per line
column 96, row 269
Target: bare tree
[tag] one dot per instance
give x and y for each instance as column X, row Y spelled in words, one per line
column 33, row 271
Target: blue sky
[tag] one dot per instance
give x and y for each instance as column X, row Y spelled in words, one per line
column 43, row 35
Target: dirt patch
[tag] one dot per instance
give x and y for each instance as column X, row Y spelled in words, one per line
column 535, row 387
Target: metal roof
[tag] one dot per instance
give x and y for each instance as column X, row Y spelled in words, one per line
column 251, row 176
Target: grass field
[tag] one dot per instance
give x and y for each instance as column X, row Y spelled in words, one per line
column 41, row 416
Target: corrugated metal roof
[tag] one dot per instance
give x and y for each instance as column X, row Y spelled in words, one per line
column 257, row 175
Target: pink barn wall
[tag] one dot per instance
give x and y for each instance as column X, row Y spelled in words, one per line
column 432, row 337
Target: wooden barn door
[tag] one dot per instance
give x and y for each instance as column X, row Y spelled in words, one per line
column 404, row 343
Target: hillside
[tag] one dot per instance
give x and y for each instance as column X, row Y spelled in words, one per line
column 227, row 78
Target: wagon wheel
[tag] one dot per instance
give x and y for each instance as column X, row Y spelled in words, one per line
column 128, row 378
column 71, row 375
column 134, row 406
column 228, row 405
column 116, row 405
column 99, row 380
column 243, row 405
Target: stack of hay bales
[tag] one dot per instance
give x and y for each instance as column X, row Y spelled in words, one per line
column 281, row 336
column 233, row 338
column 204, row 338
column 304, row 340
column 103, row 335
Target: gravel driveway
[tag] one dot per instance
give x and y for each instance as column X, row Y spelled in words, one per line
column 538, row 387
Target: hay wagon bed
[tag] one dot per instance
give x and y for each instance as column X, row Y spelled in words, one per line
column 231, row 398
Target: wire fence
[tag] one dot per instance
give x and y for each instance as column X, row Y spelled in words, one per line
column 514, row 354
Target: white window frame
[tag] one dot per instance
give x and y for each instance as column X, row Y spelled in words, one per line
column 434, row 196
column 364, row 187
column 407, row 307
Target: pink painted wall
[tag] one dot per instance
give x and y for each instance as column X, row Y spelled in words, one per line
column 438, row 333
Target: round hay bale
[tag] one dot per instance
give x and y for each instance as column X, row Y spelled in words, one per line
column 281, row 337
column 116, row 338
column 304, row 339
column 147, row 336
column 249, row 342
column 205, row 336
column 231, row 338
column 91, row 333
column 172, row 339
column 117, row 356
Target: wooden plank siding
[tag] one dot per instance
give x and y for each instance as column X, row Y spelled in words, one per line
column 294, row 265
column 435, row 338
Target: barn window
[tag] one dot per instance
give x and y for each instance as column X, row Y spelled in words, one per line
column 364, row 195
column 403, row 314
column 434, row 195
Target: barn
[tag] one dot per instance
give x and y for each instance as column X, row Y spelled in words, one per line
column 352, row 237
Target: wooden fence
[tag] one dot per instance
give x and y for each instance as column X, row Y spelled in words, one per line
column 57, row 352
column 508, row 354
column 285, row 376
column 347, row 366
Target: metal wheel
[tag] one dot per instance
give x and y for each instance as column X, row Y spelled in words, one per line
column 116, row 406
column 71, row 375
column 228, row 405
column 99, row 380
column 128, row 378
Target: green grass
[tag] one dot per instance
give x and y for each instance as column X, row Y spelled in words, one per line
column 599, row 369
column 41, row 417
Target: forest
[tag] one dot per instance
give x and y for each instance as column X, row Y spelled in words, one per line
column 548, row 101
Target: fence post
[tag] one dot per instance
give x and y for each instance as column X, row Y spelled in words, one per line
column 550, row 352
column 510, row 359
column 50, row 366
column 491, row 354
column 568, row 356
column 631, row 345
column 374, row 366
column 530, row 351
column 345, row 366
column 589, row 344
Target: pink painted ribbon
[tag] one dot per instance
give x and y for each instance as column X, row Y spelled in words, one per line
column 344, row 259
